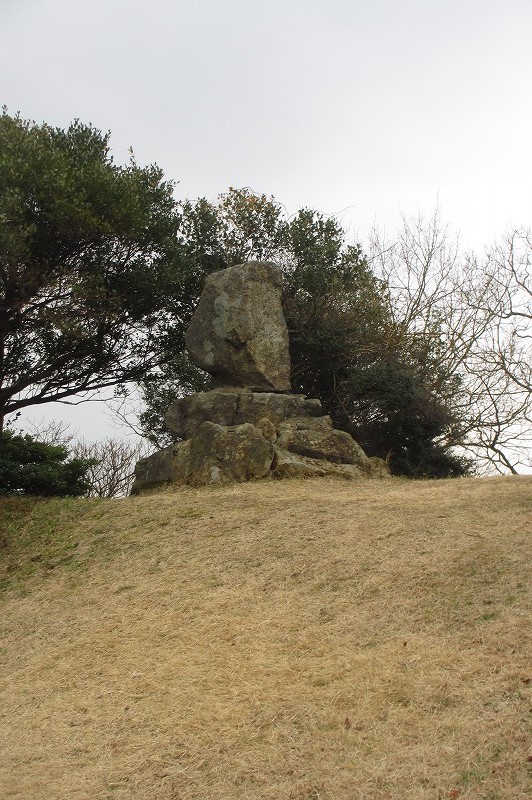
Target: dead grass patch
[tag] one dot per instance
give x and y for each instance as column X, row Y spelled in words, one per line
column 307, row 640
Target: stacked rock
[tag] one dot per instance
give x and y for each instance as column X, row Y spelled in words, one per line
column 250, row 425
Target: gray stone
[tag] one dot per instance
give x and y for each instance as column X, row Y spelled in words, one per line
column 216, row 454
column 292, row 465
column 228, row 454
column 169, row 465
column 317, row 439
column 234, row 407
column 378, row 468
column 238, row 332
column 250, row 426
column 267, row 428
column 186, row 414
column 301, row 423
column 253, row 406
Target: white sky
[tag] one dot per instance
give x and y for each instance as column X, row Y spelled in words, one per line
column 373, row 106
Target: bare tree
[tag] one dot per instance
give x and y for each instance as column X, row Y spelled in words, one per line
column 477, row 314
column 112, row 472
column 53, row 431
column 501, row 365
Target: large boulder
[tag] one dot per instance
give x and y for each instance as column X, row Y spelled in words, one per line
column 169, row 465
column 235, row 407
column 251, row 426
column 186, row 414
column 216, row 454
column 238, row 331
column 253, row 406
column 221, row 454
column 317, row 439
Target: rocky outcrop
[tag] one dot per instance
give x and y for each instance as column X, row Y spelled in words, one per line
column 219, row 454
column 216, row 454
column 250, row 426
column 169, row 465
column 238, row 333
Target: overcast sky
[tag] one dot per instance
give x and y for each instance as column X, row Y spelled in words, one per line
column 372, row 108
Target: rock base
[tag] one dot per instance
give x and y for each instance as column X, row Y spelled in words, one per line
column 250, row 435
column 251, row 426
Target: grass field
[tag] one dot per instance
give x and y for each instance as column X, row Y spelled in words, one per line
column 297, row 640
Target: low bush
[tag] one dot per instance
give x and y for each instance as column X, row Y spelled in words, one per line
column 35, row 468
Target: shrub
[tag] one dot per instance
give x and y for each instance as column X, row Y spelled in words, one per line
column 31, row 467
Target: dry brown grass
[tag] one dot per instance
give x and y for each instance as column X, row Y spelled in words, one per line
column 303, row 640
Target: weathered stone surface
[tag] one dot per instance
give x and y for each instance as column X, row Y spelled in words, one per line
column 275, row 407
column 235, row 407
column 251, row 426
column 186, row 414
column 318, row 440
column 227, row 454
column 238, row 332
column 378, row 468
column 267, row 428
column 215, row 454
column 166, row 466
column 292, row 465
column 301, row 423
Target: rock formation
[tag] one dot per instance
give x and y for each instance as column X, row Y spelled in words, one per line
column 250, row 425
column 238, row 333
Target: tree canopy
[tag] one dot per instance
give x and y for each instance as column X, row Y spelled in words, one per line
column 88, row 261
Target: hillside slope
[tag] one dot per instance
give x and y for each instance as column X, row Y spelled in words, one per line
column 314, row 640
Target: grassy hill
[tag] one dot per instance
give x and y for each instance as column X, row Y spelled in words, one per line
column 298, row 640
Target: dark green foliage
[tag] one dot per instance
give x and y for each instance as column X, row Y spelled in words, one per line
column 88, row 262
column 395, row 416
column 351, row 358
column 35, row 468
